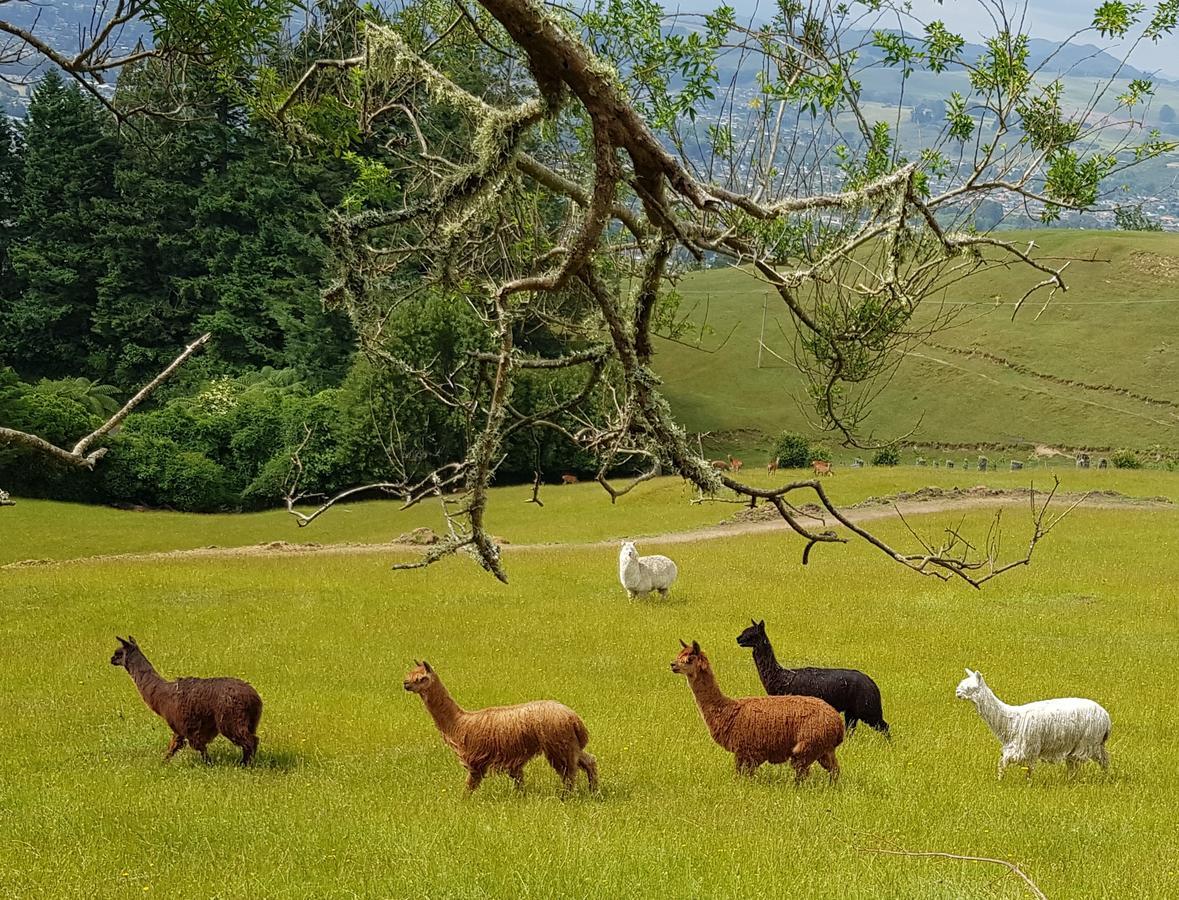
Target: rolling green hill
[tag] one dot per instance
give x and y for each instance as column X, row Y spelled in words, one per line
column 1099, row 369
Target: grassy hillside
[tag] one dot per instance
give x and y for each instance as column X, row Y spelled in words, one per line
column 1098, row 369
column 355, row 795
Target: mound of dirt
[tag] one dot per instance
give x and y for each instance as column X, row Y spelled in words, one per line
column 423, row 536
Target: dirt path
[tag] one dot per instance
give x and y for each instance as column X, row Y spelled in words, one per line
column 762, row 520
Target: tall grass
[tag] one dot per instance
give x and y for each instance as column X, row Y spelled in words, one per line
column 354, row 794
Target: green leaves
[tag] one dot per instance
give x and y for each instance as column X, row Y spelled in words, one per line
column 1115, row 18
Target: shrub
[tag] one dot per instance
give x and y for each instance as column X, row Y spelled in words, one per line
column 887, row 456
column 1126, row 459
column 793, row 451
column 819, row 452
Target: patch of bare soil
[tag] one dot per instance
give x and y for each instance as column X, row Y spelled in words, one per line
column 747, row 521
column 1155, row 265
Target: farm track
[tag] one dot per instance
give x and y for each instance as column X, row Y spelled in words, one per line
column 762, row 520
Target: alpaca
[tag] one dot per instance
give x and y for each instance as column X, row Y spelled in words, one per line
column 798, row 730
column 851, row 692
column 735, row 464
column 720, row 464
column 568, row 478
column 1069, row 729
column 196, row 709
column 642, row 574
column 505, row 738
column 821, row 467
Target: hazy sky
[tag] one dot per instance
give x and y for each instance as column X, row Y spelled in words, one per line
column 1051, row 19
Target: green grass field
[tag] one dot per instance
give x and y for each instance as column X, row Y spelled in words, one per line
column 354, row 794
column 1112, row 335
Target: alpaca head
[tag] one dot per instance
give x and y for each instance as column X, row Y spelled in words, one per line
column 419, row 678
column 970, row 686
column 125, row 650
column 629, row 551
column 754, row 635
column 691, row 660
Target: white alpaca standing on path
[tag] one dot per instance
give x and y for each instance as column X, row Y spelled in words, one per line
column 642, row 574
column 1069, row 729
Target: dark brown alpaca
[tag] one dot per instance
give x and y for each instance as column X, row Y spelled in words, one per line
column 196, row 709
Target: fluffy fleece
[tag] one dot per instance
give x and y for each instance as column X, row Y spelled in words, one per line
column 196, row 709
column 756, row 730
column 505, row 738
column 642, row 574
column 1069, row 729
column 851, row 692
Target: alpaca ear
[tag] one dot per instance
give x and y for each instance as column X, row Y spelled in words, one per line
column 121, row 641
column 426, row 666
column 762, row 624
column 134, row 643
column 695, row 647
column 753, row 622
column 682, row 644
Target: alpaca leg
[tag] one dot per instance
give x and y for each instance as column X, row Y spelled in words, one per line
column 747, row 766
column 850, row 724
column 802, row 768
column 249, row 745
column 474, row 779
column 1102, row 757
column 1002, row 766
column 200, row 747
column 1029, row 767
column 589, row 764
column 1071, row 765
column 517, row 776
column 663, row 592
column 828, row 762
column 566, row 767
column 175, row 746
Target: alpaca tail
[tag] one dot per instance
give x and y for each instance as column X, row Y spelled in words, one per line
column 581, row 732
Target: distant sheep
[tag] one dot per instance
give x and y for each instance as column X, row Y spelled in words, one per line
column 196, row 709
column 505, row 738
column 849, row 691
column 756, row 730
column 1070, row 729
column 642, row 574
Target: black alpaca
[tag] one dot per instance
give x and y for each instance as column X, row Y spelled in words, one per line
column 851, row 692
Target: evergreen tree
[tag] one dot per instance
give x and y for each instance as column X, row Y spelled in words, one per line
column 68, row 170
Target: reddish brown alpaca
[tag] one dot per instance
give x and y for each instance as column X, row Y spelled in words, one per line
column 756, row 730
column 196, row 709
column 735, row 464
column 505, row 738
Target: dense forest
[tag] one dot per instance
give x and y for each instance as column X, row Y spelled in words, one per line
column 118, row 245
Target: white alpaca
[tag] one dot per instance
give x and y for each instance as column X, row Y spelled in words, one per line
column 1069, row 729
column 642, row 574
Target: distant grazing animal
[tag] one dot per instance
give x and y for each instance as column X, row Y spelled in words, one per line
column 849, row 691
column 568, row 478
column 1068, row 729
column 735, row 464
column 821, row 467
column 772, row 467
column 505, row 738
column 196, row 709
column 722, row 464
column 642, row 574
column 756, row 730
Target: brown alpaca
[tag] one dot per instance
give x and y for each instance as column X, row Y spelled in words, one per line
column 735, row 464
column 505, row 738
column 722, row 464
column 772, row 467
column 196, row 709
column 797, row 730
column 568, row 479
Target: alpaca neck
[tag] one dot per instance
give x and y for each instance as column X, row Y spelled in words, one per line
column 148, row 681
column 766, row 662
column 997, row 714
column 442, row 708
column 709, row 697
